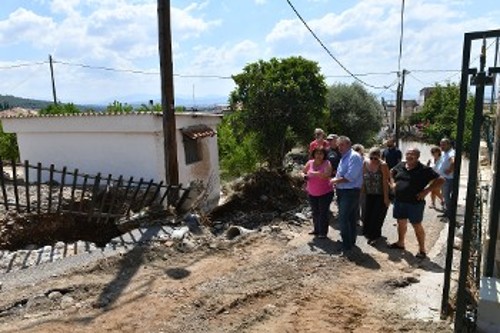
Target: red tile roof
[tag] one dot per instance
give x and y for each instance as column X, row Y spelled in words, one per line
column 198, row 132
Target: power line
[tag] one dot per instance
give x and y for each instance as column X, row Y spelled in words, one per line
column 388, row 87
column 329, row 52
column 417, row 79
column 434, row 70
column 24, row 65
column 136, row 71
column 224, row 77
column 364, row 74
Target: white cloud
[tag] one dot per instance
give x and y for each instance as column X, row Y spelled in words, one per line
column 123, row 34
column 109, row 29
column 187, row 25
column 365, row 37
column 24, row 25
column 67, row 7
column 286, row 29
column 224, row 60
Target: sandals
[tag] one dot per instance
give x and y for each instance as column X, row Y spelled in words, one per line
column 396, row 246
column 421, row 255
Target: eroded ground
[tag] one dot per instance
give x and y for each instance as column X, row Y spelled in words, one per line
column 276, row 279
column 279, row 280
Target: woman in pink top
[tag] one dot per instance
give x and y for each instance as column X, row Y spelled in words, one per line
column 317, row 173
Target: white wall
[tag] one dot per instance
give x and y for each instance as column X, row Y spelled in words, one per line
column 125, row 144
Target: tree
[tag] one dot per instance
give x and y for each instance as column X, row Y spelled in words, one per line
column 68, row 108
column 280, row 102
column 440, row 112
column 117, row 107
column 354, row 112
column 149, row 108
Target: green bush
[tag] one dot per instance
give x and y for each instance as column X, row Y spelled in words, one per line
column 61, row 108
column 8, row 146
column 440, row 114
column 237, row 152
column 117, row 107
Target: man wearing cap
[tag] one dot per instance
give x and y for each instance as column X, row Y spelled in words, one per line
column 333, row 154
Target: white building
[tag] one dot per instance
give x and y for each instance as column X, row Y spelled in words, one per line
column 128, row 144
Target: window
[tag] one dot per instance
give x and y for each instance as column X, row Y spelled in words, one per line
column 192, row 140
column 191, row 150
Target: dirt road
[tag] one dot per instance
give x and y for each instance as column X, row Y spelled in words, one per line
column 275, row 280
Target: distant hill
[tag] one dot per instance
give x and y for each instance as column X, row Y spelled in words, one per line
column 9, row 101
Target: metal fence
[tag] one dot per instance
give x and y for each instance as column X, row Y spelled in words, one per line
column 470, row 296
column 36, row 189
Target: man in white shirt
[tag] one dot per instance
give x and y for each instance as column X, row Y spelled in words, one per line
column 446, row 167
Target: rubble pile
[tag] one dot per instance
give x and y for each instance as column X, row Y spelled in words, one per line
column 260, row 197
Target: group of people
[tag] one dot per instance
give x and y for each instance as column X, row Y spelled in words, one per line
column 443, row 162
column 335, row 168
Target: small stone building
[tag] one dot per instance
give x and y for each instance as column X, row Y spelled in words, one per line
column 128, row 144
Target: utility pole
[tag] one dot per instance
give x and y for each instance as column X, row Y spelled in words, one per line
column 167, row 93
column 399, row 106
column 53, row 80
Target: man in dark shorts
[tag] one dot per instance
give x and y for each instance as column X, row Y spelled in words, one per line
column 412, row 181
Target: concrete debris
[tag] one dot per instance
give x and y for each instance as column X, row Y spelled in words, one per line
column 180, row 233
column 235, row 231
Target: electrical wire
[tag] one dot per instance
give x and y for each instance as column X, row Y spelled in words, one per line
column 434, row 70
column 417, row 79
column 329, row 52
column 363, row 74
column 135, row 71
column 33, row 73
column 24, row 65
column 388, row 87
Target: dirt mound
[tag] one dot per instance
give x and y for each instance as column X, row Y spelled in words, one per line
column 264, row 195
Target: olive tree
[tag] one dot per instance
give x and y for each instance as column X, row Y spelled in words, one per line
column 354, row 112
column 280, row 101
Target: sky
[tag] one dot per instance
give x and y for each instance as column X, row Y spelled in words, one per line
column 106, row 50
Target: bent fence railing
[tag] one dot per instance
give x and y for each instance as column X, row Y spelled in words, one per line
column 36, row 190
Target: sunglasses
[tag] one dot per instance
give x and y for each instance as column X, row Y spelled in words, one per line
column 374, row 158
